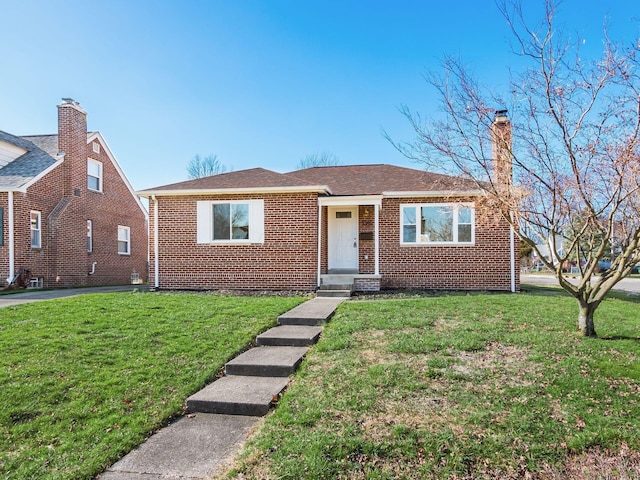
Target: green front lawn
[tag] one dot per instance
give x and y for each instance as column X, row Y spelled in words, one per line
column 83, row 380
column 461, row 387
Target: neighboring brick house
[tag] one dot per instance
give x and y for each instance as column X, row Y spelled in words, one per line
column 382, row 226
column 67, row 212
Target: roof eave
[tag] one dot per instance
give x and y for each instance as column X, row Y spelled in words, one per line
column 233, row 191
column 439, row 193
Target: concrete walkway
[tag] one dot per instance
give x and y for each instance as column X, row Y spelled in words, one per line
column 222, row 415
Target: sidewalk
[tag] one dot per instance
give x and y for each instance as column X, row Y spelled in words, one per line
column 29, row 296
column 200, row 444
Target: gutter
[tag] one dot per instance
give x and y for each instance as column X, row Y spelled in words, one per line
column 512, row 242
column 156, row 260
column 12, row 253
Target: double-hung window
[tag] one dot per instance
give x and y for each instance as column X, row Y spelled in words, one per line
column 94, row 175
column 237, row 221
column 36, row 229
column 124, row 240
column 437, row 223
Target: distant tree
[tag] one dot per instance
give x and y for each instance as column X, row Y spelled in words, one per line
column 199, row 167
column 574, row 150
column 323, row 159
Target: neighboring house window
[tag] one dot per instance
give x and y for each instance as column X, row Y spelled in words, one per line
column 96, row 147
column 437, row 223
column 124, row 240
column 89, row 236
column 94, row 175
column 239, row 221
column 36, row 230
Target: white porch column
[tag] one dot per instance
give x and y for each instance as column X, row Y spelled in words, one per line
column 377, row 238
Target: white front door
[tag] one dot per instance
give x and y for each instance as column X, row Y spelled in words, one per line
column 343, row 238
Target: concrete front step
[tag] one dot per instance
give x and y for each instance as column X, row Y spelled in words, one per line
column 336, row 286
column 333, row 293
column 238, row 395
column 290, row 336
column 313, row 312
column 267, row 362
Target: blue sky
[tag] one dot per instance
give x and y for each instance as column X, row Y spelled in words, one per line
column 259, row 83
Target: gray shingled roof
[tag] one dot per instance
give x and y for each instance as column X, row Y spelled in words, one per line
column 379, row 178
column 347, row 180
column 25, row 168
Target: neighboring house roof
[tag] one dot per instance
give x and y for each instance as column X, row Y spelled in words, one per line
column 344, row 180
column 21, row 172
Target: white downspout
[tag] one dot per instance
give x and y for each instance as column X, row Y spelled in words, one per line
column 156, row 260
column 319, row 243
column 512, row 242
column 12, row 253
column 376, row 242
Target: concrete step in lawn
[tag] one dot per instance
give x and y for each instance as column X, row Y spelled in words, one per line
column 313, row 312
column 290, row 336
column 238, row 395
column 267, row 362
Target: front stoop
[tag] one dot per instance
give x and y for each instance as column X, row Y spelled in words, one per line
column 336, row 285
column 238, row 395
column 267, row 362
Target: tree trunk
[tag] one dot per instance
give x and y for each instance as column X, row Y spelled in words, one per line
column 585, row 319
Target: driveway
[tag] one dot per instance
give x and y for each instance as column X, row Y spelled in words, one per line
column 40, row 295
column 631, row 285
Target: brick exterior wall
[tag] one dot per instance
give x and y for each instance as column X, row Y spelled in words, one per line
column 287, row 260
column 66, row 204
column 482, row 266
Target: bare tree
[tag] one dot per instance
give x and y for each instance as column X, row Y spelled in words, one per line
column 323, row 159
column 568, row 174
column 199, row 167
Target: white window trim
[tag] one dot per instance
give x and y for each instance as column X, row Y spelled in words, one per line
column 89, row 236
column 455, row 207
column 39, row 229
column 124, row 228
column 100, row 177
column 204, row 213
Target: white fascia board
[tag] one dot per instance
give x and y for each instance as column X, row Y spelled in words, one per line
column 98, row 136
column 234, row 191
column 444, row 193
column 347, row 201
column 23, row 188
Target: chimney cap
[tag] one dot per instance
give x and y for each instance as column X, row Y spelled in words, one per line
column 70, row 102
column 501, row 114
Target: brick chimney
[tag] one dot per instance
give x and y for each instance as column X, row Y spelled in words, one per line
column 502, row 163
column 72, row 140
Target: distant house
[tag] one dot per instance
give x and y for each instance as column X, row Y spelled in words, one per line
column 378, row 226
column 68, row 214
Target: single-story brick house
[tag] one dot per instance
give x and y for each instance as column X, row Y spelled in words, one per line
column 384, row 226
